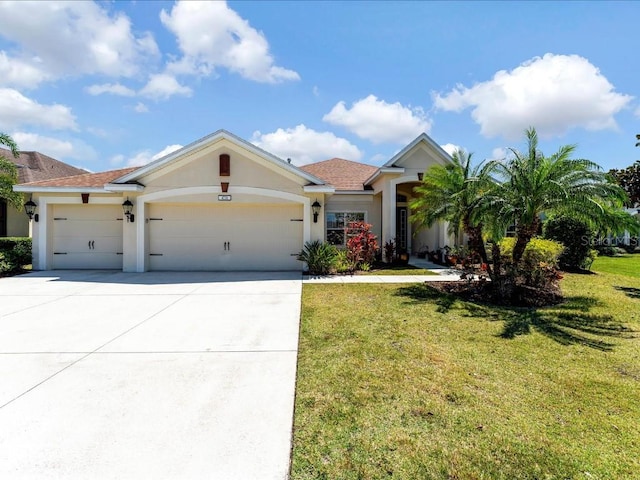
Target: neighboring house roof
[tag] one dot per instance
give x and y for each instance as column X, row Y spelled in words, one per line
column 35, row 166
column 86, row 180
column 342, row 174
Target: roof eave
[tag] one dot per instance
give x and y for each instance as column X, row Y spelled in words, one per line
column 123, row 187
column 41, row 189
column 319, row 189
column 382, row 170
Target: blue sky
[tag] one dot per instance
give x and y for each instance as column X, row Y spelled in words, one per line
column 107, row 85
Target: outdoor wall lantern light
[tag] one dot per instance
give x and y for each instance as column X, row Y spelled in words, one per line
column 30, row 210
column 420, row 176
column 127, row 206
column 315, row 206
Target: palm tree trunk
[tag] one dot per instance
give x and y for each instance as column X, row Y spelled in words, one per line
column 524, row 235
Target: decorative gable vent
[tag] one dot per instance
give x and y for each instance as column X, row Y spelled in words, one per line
column 225, row 165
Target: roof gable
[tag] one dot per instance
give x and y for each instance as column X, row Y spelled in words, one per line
column 421, row 141
column 174, row 157
column 342, row 174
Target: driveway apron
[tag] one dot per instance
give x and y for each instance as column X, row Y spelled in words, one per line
column 164, row 375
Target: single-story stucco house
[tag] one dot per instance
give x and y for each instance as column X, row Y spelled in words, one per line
column 221, row 203
column 32, row 166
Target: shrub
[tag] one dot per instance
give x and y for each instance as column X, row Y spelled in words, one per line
column 576, row 236
column 16, row 252
column 320, row 257
column 609, row 250
column 343, row 264
column 362, row 244
column 539, row 262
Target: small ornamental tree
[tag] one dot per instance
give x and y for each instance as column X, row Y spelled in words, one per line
column 362, row 245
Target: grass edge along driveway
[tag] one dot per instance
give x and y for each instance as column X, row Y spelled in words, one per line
column 397, row 381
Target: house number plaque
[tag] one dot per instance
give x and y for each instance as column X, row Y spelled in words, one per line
column 224, row 198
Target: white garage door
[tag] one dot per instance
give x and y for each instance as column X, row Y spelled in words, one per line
column 87, row 236
column 225, row 237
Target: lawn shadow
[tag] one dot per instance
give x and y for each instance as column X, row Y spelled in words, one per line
column 569, row 323
column 631, row 292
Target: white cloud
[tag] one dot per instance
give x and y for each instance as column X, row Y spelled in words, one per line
column 20, row 73
column 19, row 110
column 553, row 94
column 117, row 160
column 211, row 35
column 304, row 145
column 59, row 149
column 450, row 148
column 140, row 108
column 498, row 153
column 637, row 112
column 57, row 39
column 112, row 88
column 378, row 159
column 162, row 86
column 379, row 121
column 316, row 91
column 146, row 156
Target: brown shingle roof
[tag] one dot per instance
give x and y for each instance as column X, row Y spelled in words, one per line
column 35, row 166
column 90, row 180
column 342, row 174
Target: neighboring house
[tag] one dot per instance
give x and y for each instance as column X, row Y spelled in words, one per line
column 32, row 166
column 221, row 203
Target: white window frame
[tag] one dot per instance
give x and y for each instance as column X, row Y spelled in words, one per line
column 344, row 212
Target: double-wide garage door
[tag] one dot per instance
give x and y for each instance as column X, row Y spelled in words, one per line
column 87, row 236
column 224, row 236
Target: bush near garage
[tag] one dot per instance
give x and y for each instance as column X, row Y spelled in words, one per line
column 15, row 253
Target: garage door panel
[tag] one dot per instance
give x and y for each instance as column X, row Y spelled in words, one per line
column 257, row 237
column 87, row 237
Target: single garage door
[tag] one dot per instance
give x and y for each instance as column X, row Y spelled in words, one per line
column 87, row 236
column 225, row 237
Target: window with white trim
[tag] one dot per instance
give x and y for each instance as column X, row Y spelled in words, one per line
column 337, row 224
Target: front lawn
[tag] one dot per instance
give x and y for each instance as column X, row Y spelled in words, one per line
column 399, row 381
column 628, row 265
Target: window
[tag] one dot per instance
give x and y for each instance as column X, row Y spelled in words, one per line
column 337, row 224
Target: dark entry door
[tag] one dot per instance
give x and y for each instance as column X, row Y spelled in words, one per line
column 401, row 228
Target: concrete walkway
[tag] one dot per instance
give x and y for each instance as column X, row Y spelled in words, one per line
column 444, row 274
column 107, row 375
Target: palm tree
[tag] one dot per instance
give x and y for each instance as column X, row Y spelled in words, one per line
column 530, row 184
column 9, row 174
column 452, row 193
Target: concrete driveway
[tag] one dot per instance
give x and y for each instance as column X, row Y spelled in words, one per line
column 108, row 375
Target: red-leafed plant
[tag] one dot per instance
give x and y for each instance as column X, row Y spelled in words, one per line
column 362, row 245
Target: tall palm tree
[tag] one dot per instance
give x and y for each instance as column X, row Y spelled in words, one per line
column 9, row 174
column 452, row 193
column 530, row 184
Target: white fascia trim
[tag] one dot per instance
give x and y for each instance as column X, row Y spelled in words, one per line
column 382, row 170
column 318, row 189
column 123, row 187
column 355, row 192
column 29, row 189
column 212, row 138
column 423, row 137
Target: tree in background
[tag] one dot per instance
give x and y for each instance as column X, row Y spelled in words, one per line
column 9, row 174
column 629, row 179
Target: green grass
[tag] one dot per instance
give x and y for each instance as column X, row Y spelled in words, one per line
column 399, row 270
column 624, row 265
column 399, row 381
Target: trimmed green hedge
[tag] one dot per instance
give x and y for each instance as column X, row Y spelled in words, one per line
column 15, row 252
